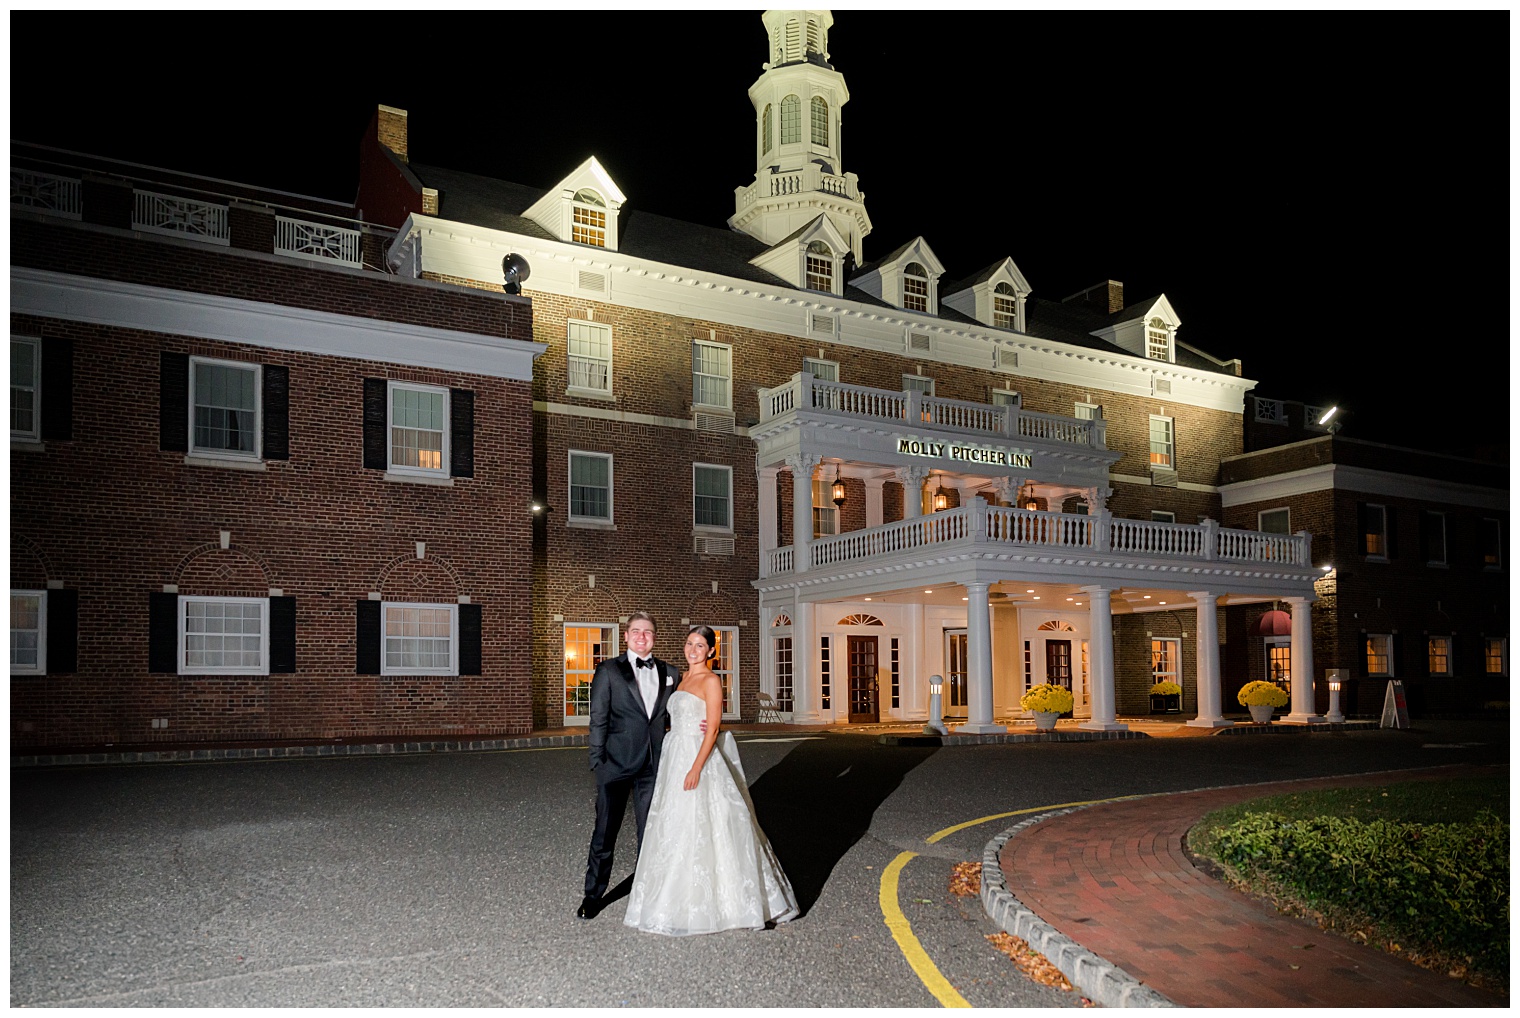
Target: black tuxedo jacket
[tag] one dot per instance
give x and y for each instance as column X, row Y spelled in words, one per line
column 623, row 738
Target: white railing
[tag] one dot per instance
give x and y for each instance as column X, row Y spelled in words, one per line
column 805, row 392
column 979, row 523
column 180, row 217
column 318, row 242
column 45, row 192
column 809, row 178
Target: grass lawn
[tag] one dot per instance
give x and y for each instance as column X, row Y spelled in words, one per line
column 1451, row 801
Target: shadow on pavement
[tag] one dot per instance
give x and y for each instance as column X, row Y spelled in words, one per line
column 818, row 801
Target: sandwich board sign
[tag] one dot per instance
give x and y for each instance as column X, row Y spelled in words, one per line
column 1395, row 707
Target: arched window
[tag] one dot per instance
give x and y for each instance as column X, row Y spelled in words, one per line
column 915, row 287
column 1157, row 343
column 820, row 267
column 791, row 120
column 782, row 619
column 1059, row 627
column 589, row 218
column 765, row 129
column 1005, row 307
column 820, row 121
column 860, row 619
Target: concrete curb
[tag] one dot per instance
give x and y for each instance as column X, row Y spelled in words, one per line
column 293, row 752
column 1099, row 980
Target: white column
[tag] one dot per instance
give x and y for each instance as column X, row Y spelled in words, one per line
column 804, row 669
column 1209, row 694
column 802, row 466
column 765, row 514
column 874, row 513
column 1101, row 622
column 912, row 481
column 916, row 681
column 979, row 662
column 1301, row 664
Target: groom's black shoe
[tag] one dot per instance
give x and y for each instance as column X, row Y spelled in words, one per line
column 589, row 907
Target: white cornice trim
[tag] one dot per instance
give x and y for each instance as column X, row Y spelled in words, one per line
column 1332, row 476
column 273, row 326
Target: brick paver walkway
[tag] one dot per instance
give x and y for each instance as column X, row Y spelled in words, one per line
column 1114, row 879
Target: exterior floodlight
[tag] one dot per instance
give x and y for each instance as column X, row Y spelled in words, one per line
column 1328, row 414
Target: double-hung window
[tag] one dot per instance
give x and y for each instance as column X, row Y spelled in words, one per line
column 224, row 408
column 1005, row 307
column 420, row 639
column 1493, row 544
column 1374, row 531
column 419, row 429
column 825, row 512
column 28, row 632
column 1439, row 655
column 819, row 265
column 590, row 487
column 712, row 503
column 711, row 374
column 1380, row 654
column 1163, row 450
column 26, row 365
column 223, row 635
column 822, row 370
column 588, row 357
column 586, row 645
column 1494, row 656
column 1158, row 342
column 915, row 288
column 588, row 218
column 1433, row 535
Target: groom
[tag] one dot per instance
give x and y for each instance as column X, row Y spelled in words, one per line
column 628, row 722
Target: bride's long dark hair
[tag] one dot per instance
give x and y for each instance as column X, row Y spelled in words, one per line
column 706, row 633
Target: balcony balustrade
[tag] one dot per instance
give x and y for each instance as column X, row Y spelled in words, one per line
column 45, row 192
column 180, row 217
column 809, row 178
column 984, row 526
column 804, row 392
column 299, row 238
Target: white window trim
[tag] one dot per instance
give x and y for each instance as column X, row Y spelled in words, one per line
column 1176, row 655
column 1441, row 636
column 731, row 702
column 614, row 651
column 184, row 669
column 1171, row 442
column 1096, row 412
column 258, row 413
column 390, row 411
column 824, row 507
column 41, row 666
column 1267, row 512
column 453, row 610
column 708, row 528
column 808, row 362
column 1017, row 401
column 1171, row 517
column 1388, row 647
column 919, row 378
column 35, row 384
column 728, row 380
column 582, row 390
column 597, row 521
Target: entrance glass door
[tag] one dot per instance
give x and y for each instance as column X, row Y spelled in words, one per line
column 956, row 702
column 863, row 691
column 1058, row 662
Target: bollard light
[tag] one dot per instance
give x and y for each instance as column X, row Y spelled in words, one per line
column 936, row 725
column 1333, row 676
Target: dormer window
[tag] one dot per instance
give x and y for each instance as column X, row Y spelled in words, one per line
column 820, row 121
column 791, row 120
column 589, row 222
column 1005, row 307
column 1158, row 342
column 820, row 267
column 915, row 288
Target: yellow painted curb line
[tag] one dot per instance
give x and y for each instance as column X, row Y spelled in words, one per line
column 938, row 835
column 913, row 951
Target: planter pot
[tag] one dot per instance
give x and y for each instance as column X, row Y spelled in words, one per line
column 1044, row 720
column 1166, row 703
column 1261, row 713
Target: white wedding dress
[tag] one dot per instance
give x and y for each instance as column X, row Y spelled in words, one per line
column 706, row 865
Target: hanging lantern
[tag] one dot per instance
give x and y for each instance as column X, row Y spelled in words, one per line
column 838, row 490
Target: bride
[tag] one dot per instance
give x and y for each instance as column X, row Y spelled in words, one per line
column 705, row 865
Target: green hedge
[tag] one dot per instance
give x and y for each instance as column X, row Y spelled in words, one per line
column 1445, row 886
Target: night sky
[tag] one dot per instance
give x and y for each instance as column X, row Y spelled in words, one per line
column 1324, row 196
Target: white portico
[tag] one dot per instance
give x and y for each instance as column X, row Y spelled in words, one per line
column 996, row 594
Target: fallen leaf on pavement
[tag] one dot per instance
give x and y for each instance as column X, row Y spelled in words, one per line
column 967, row 879
column 1031, row 962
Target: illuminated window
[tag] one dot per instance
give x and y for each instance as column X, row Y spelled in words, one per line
column 586, row 646
column 224, row 635
column 1162, row 451
column 1005, row 307
column 783, row 661
column 820, row 121
column 420, row 639
column 419, row 416
column 820, row 267
column 726, row 665
column 1380, row 654
column 1374, row 531
column 1158, row 344
column 824, row 668
column 765, row 129
column 791, row 120
column 1279, row 650
column 1166, row 658
column 915, row 288
column 825, row 512
column 1493, row 550
column 589, row 218
column 1493, row 656
column 26, row 360
column 588, row 356
column 1439, row 653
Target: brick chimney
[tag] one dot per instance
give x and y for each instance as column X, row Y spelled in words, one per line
column 1107, row 295
column 390, row 126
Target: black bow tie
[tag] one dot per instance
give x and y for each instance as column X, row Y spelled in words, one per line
column 643, row 662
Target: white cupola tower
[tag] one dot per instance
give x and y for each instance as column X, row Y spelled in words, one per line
column 798, row 175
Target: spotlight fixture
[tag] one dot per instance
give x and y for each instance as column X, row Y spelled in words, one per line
column 514, row 269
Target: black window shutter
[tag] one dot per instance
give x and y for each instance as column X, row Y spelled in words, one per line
column 374, row 426
column 163, row 633
column 57, row 388
column 282, row 635
column 173, row 402
column 367, row 638
column 276, row 412
column 1389, row 518
column 469, row 639
column 461, row 433
column 62, row 632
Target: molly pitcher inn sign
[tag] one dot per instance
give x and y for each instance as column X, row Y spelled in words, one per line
column 984, row 454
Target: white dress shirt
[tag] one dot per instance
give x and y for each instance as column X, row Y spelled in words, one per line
column 649, row 681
